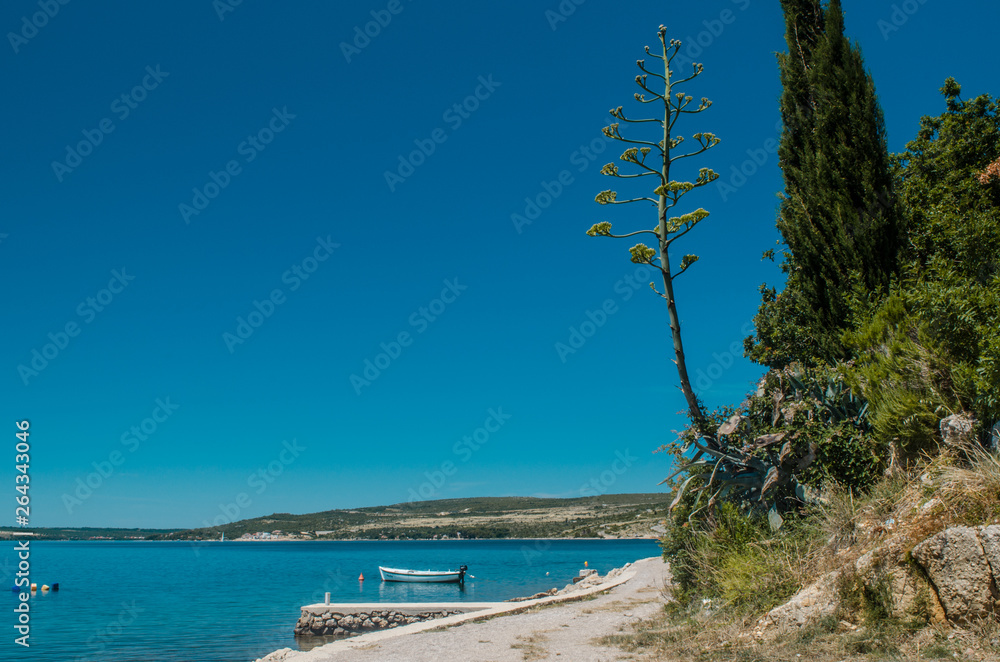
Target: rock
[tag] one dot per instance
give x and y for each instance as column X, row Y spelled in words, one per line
column 956, row 430
column 813, row 602
column 989, row 538
column 956, row 562
column 909, row 592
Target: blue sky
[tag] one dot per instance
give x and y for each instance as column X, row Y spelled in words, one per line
column 199, row 224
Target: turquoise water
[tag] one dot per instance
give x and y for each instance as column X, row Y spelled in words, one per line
column 177, row 602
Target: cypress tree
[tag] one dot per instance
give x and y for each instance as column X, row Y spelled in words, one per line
column 838, row 215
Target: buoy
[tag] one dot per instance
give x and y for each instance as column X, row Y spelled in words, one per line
column 45, row 588
column 55, row 587
column 361, row 577
column 34, row 587
column 584, row 564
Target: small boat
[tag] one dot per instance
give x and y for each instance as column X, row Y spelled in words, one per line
column 427, row 576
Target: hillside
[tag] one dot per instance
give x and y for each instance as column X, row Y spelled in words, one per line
column 82, row 533
column 613, row 516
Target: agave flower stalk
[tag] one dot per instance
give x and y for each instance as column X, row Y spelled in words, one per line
column 667, row 193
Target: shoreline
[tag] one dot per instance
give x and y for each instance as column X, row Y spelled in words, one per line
column 503, row 619
column 208, row 541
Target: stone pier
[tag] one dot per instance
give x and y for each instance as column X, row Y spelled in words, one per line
column 346, row 619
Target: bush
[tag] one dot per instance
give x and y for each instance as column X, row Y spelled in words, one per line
column 738, row 562
column 799, row 430
column 933, row 346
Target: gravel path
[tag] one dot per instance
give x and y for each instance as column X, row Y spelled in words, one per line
column 565, row 631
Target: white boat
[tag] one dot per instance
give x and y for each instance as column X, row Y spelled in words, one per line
column 426, row 576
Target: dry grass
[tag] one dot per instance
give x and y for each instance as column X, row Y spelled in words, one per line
column 957, row 487
column 961, row 487
column 724, row 639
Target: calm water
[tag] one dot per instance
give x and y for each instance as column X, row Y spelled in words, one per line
column 177, row 602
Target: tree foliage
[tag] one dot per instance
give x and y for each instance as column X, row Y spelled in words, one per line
column 933, row 346
column 838, row 215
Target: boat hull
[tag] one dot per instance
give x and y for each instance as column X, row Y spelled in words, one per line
column 422, row 576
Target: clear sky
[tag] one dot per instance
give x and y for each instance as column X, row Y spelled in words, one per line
column 178, row 171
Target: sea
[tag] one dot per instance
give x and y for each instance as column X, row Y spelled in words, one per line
column 238, row 601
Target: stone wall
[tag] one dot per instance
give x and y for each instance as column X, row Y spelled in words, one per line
column 342, row 625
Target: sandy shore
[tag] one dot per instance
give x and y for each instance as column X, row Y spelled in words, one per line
column 564, row 626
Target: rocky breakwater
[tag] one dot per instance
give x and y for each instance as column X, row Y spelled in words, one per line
column 343, row 625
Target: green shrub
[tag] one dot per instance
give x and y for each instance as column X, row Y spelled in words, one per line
column 738, row 562
column 799, row 430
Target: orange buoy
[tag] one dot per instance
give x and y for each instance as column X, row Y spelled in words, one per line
column 361, row 577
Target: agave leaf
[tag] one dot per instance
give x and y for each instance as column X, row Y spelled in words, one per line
column 711, row 502
column 721, row 454
column 770, row 480
column 748, row 479
column 680, row 492
column 730, row 426
column 807, row 494
column 778, row 397
column 715, row 470
column 701, row 493
column 767, row 440
column 774, row 519
column 687, row 466
column 810, row 456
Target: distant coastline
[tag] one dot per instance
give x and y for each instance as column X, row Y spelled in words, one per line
column 6, row 535
column 608, row 517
